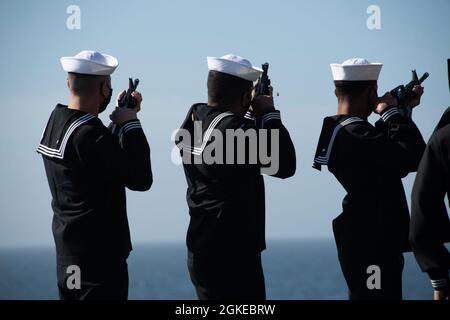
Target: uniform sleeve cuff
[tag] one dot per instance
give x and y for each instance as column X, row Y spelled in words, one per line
column 439, row 279
column 269, row 116
column 440, row 284
column 389, row 113
column 131, row 125
column 249, row 116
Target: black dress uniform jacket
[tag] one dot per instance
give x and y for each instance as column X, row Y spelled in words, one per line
column 87, row 170
column 226, row 201
column 430, row 226
column 372, row 230
column 369, row 162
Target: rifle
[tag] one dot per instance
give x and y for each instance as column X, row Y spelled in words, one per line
column 263, row 84
column 127, row 101
column 405, row 93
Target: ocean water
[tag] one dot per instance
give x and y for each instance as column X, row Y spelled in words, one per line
column 306, row 269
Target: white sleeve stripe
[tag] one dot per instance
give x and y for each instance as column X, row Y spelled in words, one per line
column 267, row 118
column 392, row 110
column 439, row 283
column 136, row 125
column 132, row 123
column 271, row 115
column 129, row 128
column 271, row 118
column 389, row 114
column 274, row 118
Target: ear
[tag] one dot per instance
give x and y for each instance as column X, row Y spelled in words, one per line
column 68, row 84
column 104, row 89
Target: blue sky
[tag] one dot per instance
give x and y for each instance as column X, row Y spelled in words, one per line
column 165, row 44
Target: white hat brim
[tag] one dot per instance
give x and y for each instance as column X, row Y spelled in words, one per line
column 84, row 66
column 357, row 72
column 234, row 68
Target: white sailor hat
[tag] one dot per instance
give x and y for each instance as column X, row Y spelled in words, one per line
column 234, row 65
column 356, row 69
column 90, row 62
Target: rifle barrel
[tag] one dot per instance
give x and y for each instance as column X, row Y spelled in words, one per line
column 424, row 77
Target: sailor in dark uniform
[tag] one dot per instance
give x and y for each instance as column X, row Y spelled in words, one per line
column 88, row 169
column 369, row 161
column 430, row 225
column 226, row 200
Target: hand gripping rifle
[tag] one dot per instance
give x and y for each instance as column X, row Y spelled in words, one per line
column 263, row 84
column 404, row 93
column 127, row 100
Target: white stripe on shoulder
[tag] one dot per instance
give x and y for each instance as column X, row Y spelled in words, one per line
column 326, row 158
column 59, row 153
column 207, row 135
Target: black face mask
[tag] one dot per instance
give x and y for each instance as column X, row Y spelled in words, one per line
column 106, row 102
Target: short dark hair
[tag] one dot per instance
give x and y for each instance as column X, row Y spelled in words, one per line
column 352, row 88
column 224, row 88
column 85, row 84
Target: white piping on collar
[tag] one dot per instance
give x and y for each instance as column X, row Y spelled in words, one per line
column 346, row 122
column 207, row 135
column 59, row 153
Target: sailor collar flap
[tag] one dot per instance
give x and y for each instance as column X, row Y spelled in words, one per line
column 330, row 129
column 200, row 127
column 55, row 136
